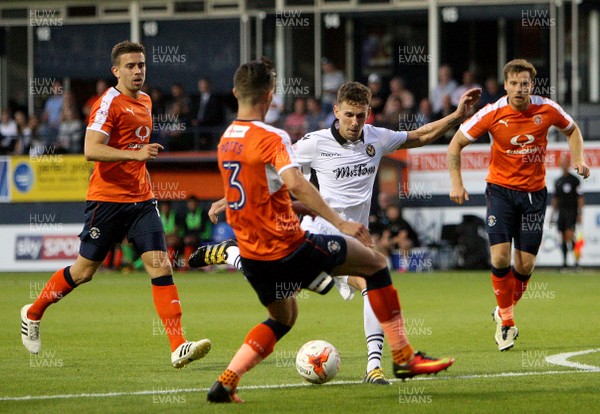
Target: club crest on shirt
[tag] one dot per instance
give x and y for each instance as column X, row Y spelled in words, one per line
column 370, row 150
column 491, row 221
column 537, row 119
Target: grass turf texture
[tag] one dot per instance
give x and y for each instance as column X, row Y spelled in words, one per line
column 106, row 338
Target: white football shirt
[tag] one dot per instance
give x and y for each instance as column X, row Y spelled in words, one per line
column 346, row 170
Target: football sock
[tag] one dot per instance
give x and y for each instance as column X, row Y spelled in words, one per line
column 118, row 260
column 503, row 283
column 108, row 260
column 168, row 307
column 59, row 285
column 386, row 306
column 565, row 250
column 187, row 251
column 258, row 345
column 521, row 282
column 373, row 333
column 404, row 355
column 229, row 379
column 233, row 257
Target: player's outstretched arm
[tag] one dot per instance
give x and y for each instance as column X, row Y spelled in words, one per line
column 575, row 140
column 96, row 148
column 458, row 194
column 428, row 133
column 308, row 195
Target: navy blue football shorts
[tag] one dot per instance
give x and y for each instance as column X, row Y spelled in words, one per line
column 280, row 279
column 108, row 223
column 515, row 216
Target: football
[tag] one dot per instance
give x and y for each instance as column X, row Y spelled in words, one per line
column 317, row 362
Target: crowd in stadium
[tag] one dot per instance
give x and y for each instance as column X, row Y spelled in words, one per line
column 193, row 120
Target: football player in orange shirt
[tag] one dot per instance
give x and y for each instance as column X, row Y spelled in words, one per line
column 120, row 203
column 259, row 171
column 516, row 184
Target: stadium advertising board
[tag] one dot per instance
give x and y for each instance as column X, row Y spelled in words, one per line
column 58, row 177
column 429, row 179
column 31, row 249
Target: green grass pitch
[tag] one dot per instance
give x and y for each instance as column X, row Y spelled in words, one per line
column 104, row 349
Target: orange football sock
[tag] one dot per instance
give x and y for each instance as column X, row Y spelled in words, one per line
column 259, row 344
column 504, row 287
column 521, row 282
column 386, row 306
column 168, row 306
column 59, row 285
column 118, row 260
column 229, row 379
column 404, row 355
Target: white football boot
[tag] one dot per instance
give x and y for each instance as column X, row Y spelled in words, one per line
column 30, row 332
column 190, row 351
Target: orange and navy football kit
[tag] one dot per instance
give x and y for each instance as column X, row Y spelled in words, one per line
column 277, row 256
column 516, row 191
column 120, row 201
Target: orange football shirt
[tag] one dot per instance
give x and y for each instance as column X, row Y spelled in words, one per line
column 252, row 155
column 127, row 124
column 519, row 140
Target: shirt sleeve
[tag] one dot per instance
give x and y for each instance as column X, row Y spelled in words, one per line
column 477, row 125
column 392, row 140
column 560, row 119
column 279, row 153
column 101, row 117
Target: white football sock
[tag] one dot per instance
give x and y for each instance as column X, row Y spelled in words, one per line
column 233, row 257
column 373, row 333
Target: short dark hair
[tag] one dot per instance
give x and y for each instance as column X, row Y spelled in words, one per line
column 517, row 66
column 354, row 93
column 124, row 47
column 254, row 79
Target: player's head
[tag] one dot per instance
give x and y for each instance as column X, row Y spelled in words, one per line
column 254, row 82
column 129, row 66
column 518, row 82
column 352, row 109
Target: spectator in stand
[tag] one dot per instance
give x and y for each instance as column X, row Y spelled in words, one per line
column 446, row 86
column 332, row 79
column 392, row 114
column 159, row 106
column 8, row 133
column 209, row 113
column 174, row 130
column 491, row 92
column 397, row 234
column 53, row 109
column 398, row 89
column 379, row 97
column 296, row 123
column 179, row 96
column 70, row 132
column 468, row 80
column 424, row 114
column 209, row 109
column 316, row 117
column 101, row 87
column 378, row 219
column 446, row 109
column 23, row 133
column 275, row 111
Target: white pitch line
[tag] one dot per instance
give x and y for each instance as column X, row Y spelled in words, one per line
column 563, row 360
column 297, row 385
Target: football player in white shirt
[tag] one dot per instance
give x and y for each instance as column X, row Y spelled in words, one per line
column 345, row 158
